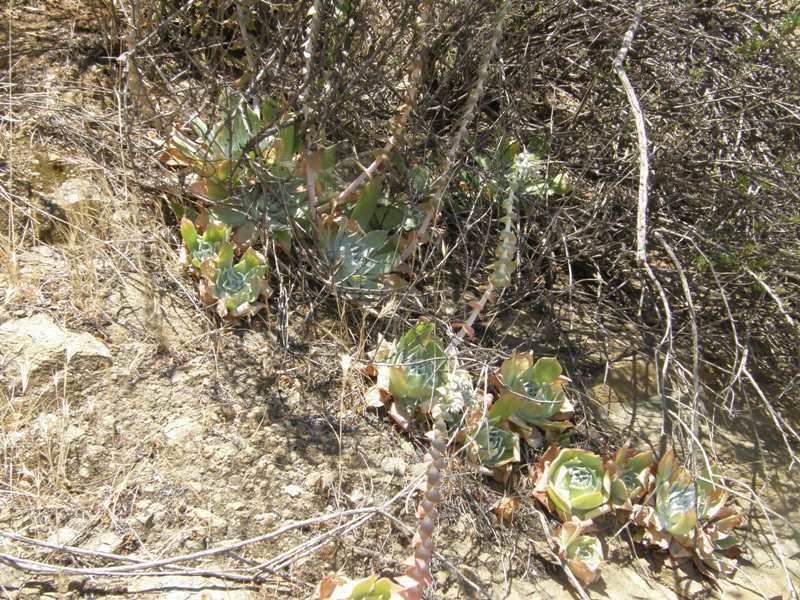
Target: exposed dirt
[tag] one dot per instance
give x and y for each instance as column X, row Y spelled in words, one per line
column 197, row 436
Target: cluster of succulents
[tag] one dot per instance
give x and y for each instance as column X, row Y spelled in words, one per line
column 672, row 510
column 235, row 288
column 249, row 178
column 687, row 517
column 676, row 512
column 247, row 173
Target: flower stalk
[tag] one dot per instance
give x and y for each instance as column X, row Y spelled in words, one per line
column 399, row 121
column 440, row 187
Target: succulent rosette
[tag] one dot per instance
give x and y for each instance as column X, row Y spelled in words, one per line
column 237, row 287
column 631, row 477
column 369, row 588
column 583, row 554
column 531, row 394
column 496, row 447
column 418, row 366
column 362, row 263
column 571, row 481
column 198, row 249
column 688, row 518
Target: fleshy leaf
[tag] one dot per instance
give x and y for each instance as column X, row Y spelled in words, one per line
column 367, row 202
column 545, row 370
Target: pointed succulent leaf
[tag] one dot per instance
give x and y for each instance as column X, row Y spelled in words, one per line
column 369, row 588
column 418, row 177
column 507, row 152
column 268, row 112
column 631, row 477
column 188, row 233
column 199, row 126
column 546, row 370
column 287, row 136
column 513, row 367
column 367, row 202
column 505, row 408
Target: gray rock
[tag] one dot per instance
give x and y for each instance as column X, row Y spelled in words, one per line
column 293, row 490
column 179, row 587
column 217, row 525
column 36, row 355
column 78, row 196
column 394, row 465
column 107, row 541
column 181, row 429
column 65, row 536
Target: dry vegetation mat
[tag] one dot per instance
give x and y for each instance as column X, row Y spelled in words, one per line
column 391, row 300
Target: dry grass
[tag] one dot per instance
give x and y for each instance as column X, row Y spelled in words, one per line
column 716, row 90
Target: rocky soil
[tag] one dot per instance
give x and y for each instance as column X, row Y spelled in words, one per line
column 137, row 428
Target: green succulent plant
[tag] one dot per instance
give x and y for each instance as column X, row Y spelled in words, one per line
column 362, row 263
column 496, row 447
column 198, row 249
column 573, row 482
column 229, row 160
column 677, row 499
column 688, row 518
column 214, row 151
column 583, row 554
column 369, row 588
column 238, row 287
column 531, row 394
column 418, row 366
column 631, row 477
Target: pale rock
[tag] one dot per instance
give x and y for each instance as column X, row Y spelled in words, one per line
column 63, row 537
column 218, row 525
column 45, row 426
column 107, row 541
column 181, row 429
column 36, row 354
column 78, row 196
column 38, row 261
column 393, row 465
column 293, row 490
column 183, row 587
column 267, row 519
